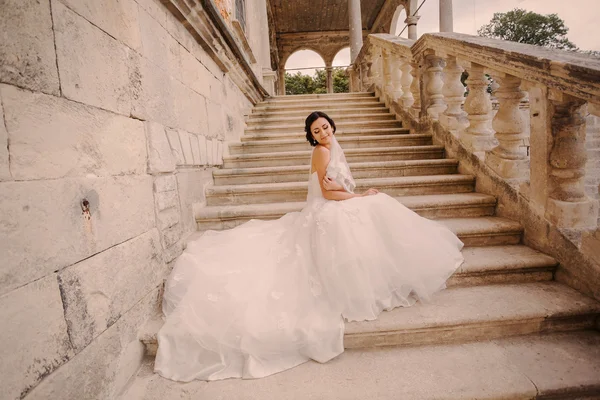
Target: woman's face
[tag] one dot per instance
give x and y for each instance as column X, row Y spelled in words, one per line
column 321, row 131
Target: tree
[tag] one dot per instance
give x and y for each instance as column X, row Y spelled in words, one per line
column 528, row 27
column 304, row 84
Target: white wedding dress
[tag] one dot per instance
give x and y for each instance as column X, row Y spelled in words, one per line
column 269, row 295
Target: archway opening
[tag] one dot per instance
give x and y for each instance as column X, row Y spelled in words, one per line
column 301, row 73
column 339, row 75
column 398, row 26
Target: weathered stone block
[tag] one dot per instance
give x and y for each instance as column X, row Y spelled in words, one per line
column 591, row 245
column 167, row 218
column 171, row 235
column 195, row 149
column 220, row 153
column 173, row 252
column 4, row 161
column 27, row 46
column 176, row 148
column 190, row 108
column 33, row 339
column 52, row 137
column 108, row 362
column 154, row 98
column 209, row 152
column 160, row 156
column 216, row 127
column 97, row 291
column 215, row 149
column 48, row 225
column 118, row 18
column 186, row 146
column 194, row 74
column 165, row 183
column 155, row 9
column 94, row 67
column 191, row 186
column 158, row 45
column 179, row 32
column 166, row 200
column 202, row 146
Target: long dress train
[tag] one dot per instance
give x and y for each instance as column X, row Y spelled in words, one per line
column 269, row 295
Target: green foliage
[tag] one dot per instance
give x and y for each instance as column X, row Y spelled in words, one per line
column 304, row 84
column 528, row 27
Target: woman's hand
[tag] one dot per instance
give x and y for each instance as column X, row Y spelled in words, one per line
column 331, row 185
column 370, row 192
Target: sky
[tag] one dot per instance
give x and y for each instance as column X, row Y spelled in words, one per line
column 580, row 16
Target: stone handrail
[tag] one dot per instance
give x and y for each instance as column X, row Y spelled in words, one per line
column 422, row 80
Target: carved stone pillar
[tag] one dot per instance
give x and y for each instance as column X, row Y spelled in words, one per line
column 412, row 26
column 406, row 81
column 375, row 68
column 329, row 70
column 446, row 18
column 387, row 72
column 479, row 136
column 453, row 118
column 567, row 205
column 509, row 159
column 435, row 99
column 396, row 78
column 281, row 81
column 415, row 88
column 355, row 21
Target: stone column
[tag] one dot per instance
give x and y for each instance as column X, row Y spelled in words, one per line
column 396, row 77
column 446, row 18
column 412, row 26
column 509, row 159
column 355, row 19
column 281, row 81
column 329, row 70
column 479, row 136
column 406, row 81
column 386, row 62
column 435, row 99
column 415, row 88
column 454, row 118
column 567, row 205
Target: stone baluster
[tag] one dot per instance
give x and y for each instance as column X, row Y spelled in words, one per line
column 453, row 118
column 479, row 136
column 415, row 88
column 377, row 67
column 396, row 78
column 406, row 81
column 435, row 83
column 567, row 205
column 509, row 159
column 386, row 61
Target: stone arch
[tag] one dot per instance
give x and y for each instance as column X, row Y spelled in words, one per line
column 398, row 21
column 286, row 57
column 338, row 53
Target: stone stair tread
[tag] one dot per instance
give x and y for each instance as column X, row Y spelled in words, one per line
column 356, row 165
column 509, row 257
column 280, row 208
column 482, row 305
column 340, row 119
column 480, row 225
column 330, row 112
column 321, row 95
column 370, row 182
column 298, row 125
column 341, row 140
column 307, row 153
column 563, row 365
column 339, row 133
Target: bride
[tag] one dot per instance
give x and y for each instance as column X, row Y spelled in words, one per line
column 269, row 295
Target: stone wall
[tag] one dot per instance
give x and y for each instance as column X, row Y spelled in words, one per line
column 112, row 117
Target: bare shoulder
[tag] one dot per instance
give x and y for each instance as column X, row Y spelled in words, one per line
column 321, row 153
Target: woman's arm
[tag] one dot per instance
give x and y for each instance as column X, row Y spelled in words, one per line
column 321, row 158
column 332, row 184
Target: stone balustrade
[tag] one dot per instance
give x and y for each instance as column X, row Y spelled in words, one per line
column 541, row 150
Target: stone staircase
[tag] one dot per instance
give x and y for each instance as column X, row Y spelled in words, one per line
column 502, row 330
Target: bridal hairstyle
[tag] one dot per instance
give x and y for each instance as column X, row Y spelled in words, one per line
column 312, row 117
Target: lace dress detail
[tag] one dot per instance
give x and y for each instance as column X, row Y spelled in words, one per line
column 269, row 295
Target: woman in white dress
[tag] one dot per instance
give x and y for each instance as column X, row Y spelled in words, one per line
column 269, row 295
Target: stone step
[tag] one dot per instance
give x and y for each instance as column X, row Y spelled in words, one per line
column 347, row 142
column 479, row 313
column 455, row 315
column 333, row 113
column 350, row 118
column 429, row 206
column 324, row 106
column 299, row 173
column 485, row 231
column 344, row 132
column 547, row 366
column 320, row 96
column 297, row 191
column 309, row 102
column 289, row 158
column 298, row 127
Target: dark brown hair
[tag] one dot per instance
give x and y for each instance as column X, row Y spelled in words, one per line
column 312, row 117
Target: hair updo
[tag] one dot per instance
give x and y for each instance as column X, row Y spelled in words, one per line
column 312, row 117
